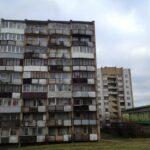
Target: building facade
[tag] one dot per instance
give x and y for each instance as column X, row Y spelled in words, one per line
column 47, row 81
column 114, row 87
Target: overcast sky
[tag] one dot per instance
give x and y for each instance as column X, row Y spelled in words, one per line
column 122, row 31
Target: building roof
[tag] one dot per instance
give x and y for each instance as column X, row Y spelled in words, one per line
column 138, row 109
column 49, row 21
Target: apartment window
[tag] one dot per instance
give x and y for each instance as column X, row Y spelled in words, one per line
column 13, row 132
column 52, row 131
column 128, row 92
column 106, row 109
column 127, row 86
column 34, row 88
column 35, row 62
column 105, row 98
column 129, row 104
column 11, row 48
column 106, row 103
column 9, row 62
column 122, row 103
column 128, row 98
column 63, row 101
column 83, row 62
column 52, row 101
column 59, row 62
column 62, row 131
column 39, row 74
column 37, row 117
column 83, row 49
column 10, row 88
column 40, row 131
column 15, row 102
column 5, row 132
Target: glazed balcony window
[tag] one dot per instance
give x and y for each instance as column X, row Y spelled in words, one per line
column 84, row 101
column 59, row 116
column 10, row 77
column 65, row 62
column 10, row 88
column 10, row 62
column 37, row 29
column 59, row 26
column 36, row 49
column 37, row 41
column 83, row 62
column 60, row 41
column 59, row 87
column 34, row 88
column 34, row 103
column 9, row 117
column 35, row 62
column 9, row 102
column 31, row 131
column 83, row 49
column 41, row 75
column 5, row 132
column 11, row 24
column 79, row 74
column 81, row 26
column 59, row 101
column 11, row 36
column 61, row 53
column 11, row 49
column 60, row 76
column 83, row 88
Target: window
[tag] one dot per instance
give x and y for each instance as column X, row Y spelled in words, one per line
column 122, row 103
column 52, row 101
column 129, row 104
column 52, row 131
column 40, row 131
column 13, row 132
column 5, row 133
column 106, row 109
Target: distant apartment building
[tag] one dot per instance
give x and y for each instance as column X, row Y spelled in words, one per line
column 47, row 81
column 114, row 88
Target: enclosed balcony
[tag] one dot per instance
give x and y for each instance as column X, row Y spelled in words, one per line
column 59, row 32
column 59, row 122
column 84, row 94
column 82, row 32
column 39, row 30
column 10, row 109
column 62, row 108
column 79, row 122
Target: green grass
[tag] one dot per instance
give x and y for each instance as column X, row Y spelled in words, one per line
column 117, row 144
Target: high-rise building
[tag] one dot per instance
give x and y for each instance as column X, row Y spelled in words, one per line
column 114, row 87
column 47, row 81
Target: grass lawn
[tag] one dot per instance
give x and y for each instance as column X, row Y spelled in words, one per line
column 116, row 144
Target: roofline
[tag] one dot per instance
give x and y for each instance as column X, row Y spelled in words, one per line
column 136, row 108
column 49, row 21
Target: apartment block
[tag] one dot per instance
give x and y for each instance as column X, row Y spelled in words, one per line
column 114, row 88
column 48, row 81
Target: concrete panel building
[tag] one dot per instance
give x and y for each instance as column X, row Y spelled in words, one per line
column 114, row 87
column 47, row 81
